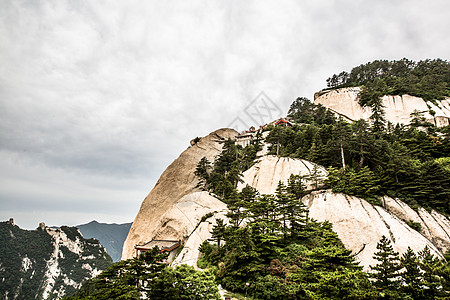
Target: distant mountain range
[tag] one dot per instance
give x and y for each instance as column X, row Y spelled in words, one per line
column 111, row 236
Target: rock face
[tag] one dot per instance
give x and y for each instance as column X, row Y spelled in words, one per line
column 177, row 181
column 190, row 215
column 359, row 224
column 344, row 102
column 434, row 226
column 269, row 170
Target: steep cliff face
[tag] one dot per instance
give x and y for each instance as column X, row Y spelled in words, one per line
column 177, row 181
column 46, row 263
column 359, row 224
column 398, row 108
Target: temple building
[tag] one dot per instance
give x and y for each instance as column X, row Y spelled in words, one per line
column 170, row 246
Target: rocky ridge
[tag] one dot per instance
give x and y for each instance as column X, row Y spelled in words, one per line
column 46, row 263
column 344, row 103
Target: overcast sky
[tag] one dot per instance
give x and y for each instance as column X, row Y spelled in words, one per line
column 97, row 98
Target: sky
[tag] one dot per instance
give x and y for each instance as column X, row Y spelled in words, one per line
column 98, row 97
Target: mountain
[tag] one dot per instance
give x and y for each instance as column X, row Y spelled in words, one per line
column 46, row 263
column 359, row 224
column 111, row 236
column 176, row 184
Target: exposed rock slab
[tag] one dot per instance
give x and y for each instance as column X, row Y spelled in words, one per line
column 190, row 253
column 398, row 108
column 177, row 181
column 179, row 222
column 434, row 226
column 361, row 225
column 269, row 170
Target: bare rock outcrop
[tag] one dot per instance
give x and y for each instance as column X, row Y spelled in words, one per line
column 202, row 232
column 434, row 226
column 360, row 225
column 398, row 109
column 176, row 182
column 269, row 170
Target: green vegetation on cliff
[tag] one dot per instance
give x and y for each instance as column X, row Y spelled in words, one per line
column 28, row 265
column 427, row 79
column 408, row 162
column 146, row 276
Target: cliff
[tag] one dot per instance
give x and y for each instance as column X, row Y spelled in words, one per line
column 46, row 263
column 398, row 109
column 175, row 184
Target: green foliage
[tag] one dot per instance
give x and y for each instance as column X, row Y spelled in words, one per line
column 428, row 79
column 222, row 176
column 146, row 276
column 410, row 276
column 387, row 272
column 281, row 254
column 361, row 183
column 414, row 225
column 302, row 110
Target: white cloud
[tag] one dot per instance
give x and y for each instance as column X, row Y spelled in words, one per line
column 100, row 94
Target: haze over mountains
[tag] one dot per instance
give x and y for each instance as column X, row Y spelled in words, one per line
column 111, row 236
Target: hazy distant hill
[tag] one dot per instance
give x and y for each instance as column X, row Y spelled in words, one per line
column 111, row 236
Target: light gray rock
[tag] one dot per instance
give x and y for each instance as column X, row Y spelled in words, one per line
column 360, row 225
column 269, row 170
column 190, row 253
column 434, row 226
column 398, row 108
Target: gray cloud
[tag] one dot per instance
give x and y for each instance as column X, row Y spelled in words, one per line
column 98, row 97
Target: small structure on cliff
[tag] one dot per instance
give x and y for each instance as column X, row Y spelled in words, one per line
column 170, row 246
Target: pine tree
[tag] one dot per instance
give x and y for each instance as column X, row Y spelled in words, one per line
column 202, row 172
column 411, row 275
column 430, row 265
column 218, row 232
column 386, row 272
